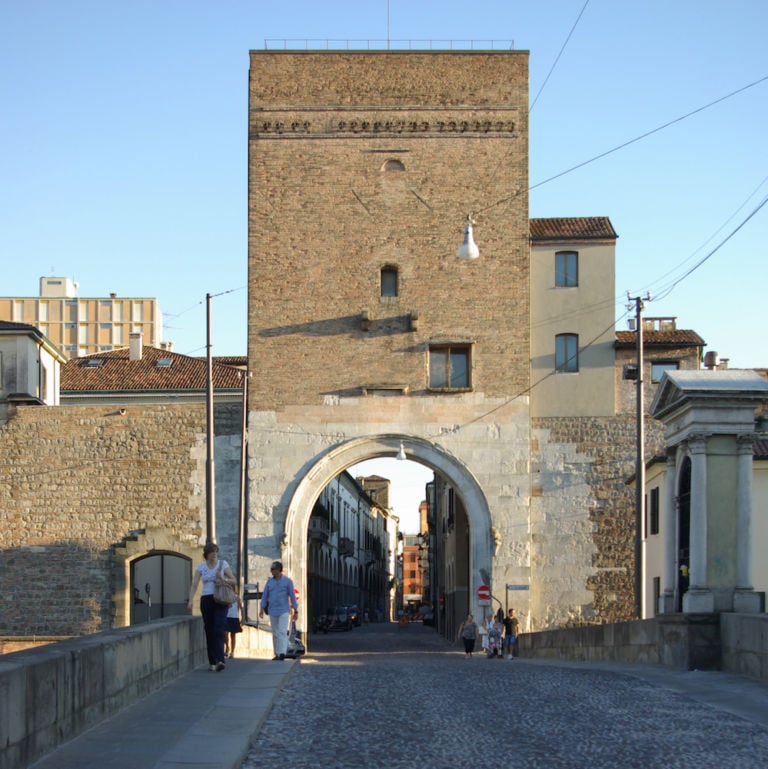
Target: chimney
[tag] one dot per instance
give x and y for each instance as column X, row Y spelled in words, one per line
column 135, row 345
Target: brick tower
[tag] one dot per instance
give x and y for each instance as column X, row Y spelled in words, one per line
column 366, row 330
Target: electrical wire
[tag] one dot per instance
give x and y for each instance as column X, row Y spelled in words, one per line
column 649, row 133
column 557, row 58
column 714, row 250
column 657, row 282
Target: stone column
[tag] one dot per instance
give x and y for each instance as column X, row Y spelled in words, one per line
column 698, row 599
column 745, row 599
column 669, row 530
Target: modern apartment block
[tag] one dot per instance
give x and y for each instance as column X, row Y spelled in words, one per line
column 85, row 325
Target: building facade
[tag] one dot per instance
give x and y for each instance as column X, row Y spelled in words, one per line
column 706, row 495
column 81, row 326
column 30, row 368
column 350, row 550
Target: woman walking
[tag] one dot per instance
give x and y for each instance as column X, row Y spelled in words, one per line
column 468, row 633
column 214, row 614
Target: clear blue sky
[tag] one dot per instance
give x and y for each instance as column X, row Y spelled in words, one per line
column 123, row 143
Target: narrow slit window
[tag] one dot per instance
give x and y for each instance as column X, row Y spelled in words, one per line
column 389, row 281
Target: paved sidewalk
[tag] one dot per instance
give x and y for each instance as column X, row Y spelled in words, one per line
column 203, row 720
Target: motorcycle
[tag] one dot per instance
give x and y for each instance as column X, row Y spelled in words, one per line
column 322, row 624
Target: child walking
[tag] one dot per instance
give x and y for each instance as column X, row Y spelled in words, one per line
column 233, row 625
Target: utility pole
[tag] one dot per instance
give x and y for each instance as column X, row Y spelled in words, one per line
column 210, row 478
column 639, row 306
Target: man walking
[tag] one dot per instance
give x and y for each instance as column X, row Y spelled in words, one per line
column 511, row 630
column 279, row 601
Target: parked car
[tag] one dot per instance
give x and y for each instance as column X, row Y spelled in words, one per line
column 354, row 615
column 339, row 618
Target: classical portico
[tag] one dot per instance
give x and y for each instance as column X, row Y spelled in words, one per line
column 709, row 423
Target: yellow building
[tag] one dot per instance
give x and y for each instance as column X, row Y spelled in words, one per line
column 82, row 326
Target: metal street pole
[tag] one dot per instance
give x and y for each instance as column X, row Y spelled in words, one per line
column 242, row 528
column 210, row 477
column 639, row 459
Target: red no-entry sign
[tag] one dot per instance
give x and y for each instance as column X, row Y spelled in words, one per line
column 483, row 593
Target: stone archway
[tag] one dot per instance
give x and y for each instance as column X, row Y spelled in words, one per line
column 339, row 458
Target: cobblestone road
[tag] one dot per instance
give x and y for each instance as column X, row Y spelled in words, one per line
column 403, row 698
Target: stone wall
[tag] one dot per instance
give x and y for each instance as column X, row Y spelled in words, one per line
column 65, row 688
column 583, row 518
column 359, row 161
column 745, row 644
column 76, row 483
column 732, row 642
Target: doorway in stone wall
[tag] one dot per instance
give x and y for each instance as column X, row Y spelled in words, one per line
column 159, row 586
column 683, row 531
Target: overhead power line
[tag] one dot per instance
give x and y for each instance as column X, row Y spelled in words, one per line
column 714, row 250
column 557, row 58
column 649, row 133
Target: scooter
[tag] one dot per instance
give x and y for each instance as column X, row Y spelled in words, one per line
column 322, row 624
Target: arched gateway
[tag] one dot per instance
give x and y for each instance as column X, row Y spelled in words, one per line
column 339, row 458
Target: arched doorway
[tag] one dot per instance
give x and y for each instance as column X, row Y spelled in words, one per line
column 683, row 531
column 160, row 586
column 295, row 551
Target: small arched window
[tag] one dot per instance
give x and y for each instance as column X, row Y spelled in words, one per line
column 393, row 165
column 389, row 281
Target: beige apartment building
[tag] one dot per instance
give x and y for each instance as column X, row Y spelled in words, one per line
column 85, row 325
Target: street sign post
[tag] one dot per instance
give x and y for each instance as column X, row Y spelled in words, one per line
column 484, row 595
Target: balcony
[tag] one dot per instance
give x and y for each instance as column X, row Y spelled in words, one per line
column 346, row 547
column 318, row 529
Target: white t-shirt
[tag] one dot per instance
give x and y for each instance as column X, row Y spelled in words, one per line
column 208, row 575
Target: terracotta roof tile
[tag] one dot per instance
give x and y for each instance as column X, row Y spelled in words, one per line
column 118, row 373
column 574, row 228
column 676, row 338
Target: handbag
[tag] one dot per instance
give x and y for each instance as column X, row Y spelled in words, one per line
column 223, row 592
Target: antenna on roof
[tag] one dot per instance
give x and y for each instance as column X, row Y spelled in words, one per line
column 387, row 24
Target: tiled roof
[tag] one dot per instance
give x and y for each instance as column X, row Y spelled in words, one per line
column 10, row 325
column 240, row 361
column 573, row 228
column 117, row 373
column 677, row 338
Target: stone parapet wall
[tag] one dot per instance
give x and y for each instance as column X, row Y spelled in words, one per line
column 745, row 644
column 62, row 689
column 617, row 642
column 731, row 642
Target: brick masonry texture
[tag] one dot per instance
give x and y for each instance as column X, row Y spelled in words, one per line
column 607, row 449
column 325, row 217
column 75, row 482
